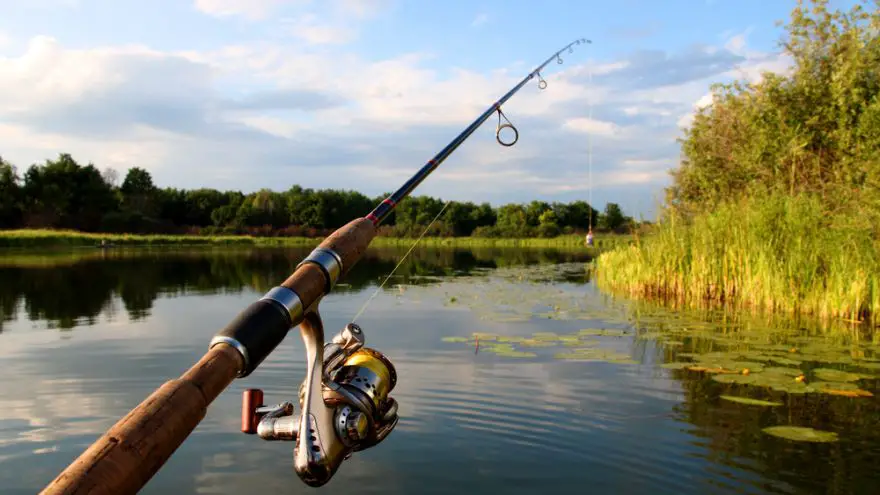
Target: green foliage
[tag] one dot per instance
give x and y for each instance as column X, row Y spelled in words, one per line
column 62, row 194
column 815, row 130
column 613, row 219
column 10, row 195
column 776, row 203
column 137, row 181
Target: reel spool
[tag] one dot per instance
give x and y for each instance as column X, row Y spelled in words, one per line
column 350, row 411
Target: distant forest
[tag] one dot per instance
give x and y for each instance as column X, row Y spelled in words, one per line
column 63, row 194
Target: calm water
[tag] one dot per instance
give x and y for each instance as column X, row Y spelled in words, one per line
column 86, row 335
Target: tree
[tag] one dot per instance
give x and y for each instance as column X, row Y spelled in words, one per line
column 512, row 221
column 137, row 181
column 138, row 192
column 62, row 193
column 613, row 217
column 547, row 224
column 10, row 196
column 534, row 210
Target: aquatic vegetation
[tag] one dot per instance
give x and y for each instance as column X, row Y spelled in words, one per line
column 750, row 402
column 801, row 434
column 584, row 349
column 728, row 349
column 782, row 255
column 831, row 375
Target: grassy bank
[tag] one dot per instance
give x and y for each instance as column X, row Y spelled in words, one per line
column 63, row 238
column 778, row 254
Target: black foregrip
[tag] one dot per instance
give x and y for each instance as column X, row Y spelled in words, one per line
column 259, row 329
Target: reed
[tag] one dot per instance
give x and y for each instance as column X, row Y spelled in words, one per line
column 773, row 254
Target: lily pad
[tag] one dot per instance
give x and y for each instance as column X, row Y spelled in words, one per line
column 575, row 356
column 604, row 332
column 757, row 356
column 751, row 402
column 536, row 343
column 457, row 340
column 786, row 361
column 832, row 375
column 497, row 348
column 801, row 434
column 778, row 370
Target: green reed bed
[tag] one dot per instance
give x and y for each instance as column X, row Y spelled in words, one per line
column 784, row 254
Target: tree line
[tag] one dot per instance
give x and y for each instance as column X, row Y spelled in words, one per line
column 65, row 194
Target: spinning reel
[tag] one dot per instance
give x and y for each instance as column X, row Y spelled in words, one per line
column 344, row 403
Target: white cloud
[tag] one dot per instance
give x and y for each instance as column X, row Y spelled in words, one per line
column 648, row 163
column 5, row 40
column 591, row 126
column 229, row 117
column 250, row 9
column 312, row 31
column 751, row 69
column 480, row 19
column 360, row 8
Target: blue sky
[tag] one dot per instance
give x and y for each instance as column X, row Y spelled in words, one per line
column 246, row 94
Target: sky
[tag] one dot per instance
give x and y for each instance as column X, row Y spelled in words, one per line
column 359, row 94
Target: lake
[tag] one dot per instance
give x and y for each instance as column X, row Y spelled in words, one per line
column 563, row 389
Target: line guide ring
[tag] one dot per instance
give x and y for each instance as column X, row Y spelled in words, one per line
column 504, row 126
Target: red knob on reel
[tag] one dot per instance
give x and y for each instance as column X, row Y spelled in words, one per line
column 251, row 400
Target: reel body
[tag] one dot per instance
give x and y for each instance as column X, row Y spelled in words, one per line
column 344, row 403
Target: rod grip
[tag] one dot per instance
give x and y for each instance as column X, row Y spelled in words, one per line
column 256, row 332
column 349, row 242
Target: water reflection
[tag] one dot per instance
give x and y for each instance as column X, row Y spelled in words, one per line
column 67, row 289
column 470, row 422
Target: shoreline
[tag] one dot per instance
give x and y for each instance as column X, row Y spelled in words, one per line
column 32, row 238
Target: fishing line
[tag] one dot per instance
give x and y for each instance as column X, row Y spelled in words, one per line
column 389, row 203
column 361, row 414
column 379, row 289
column 590, row 150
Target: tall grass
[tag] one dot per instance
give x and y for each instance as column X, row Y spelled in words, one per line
column 778, row 254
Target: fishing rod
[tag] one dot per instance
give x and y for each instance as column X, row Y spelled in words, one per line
column 344, row 398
